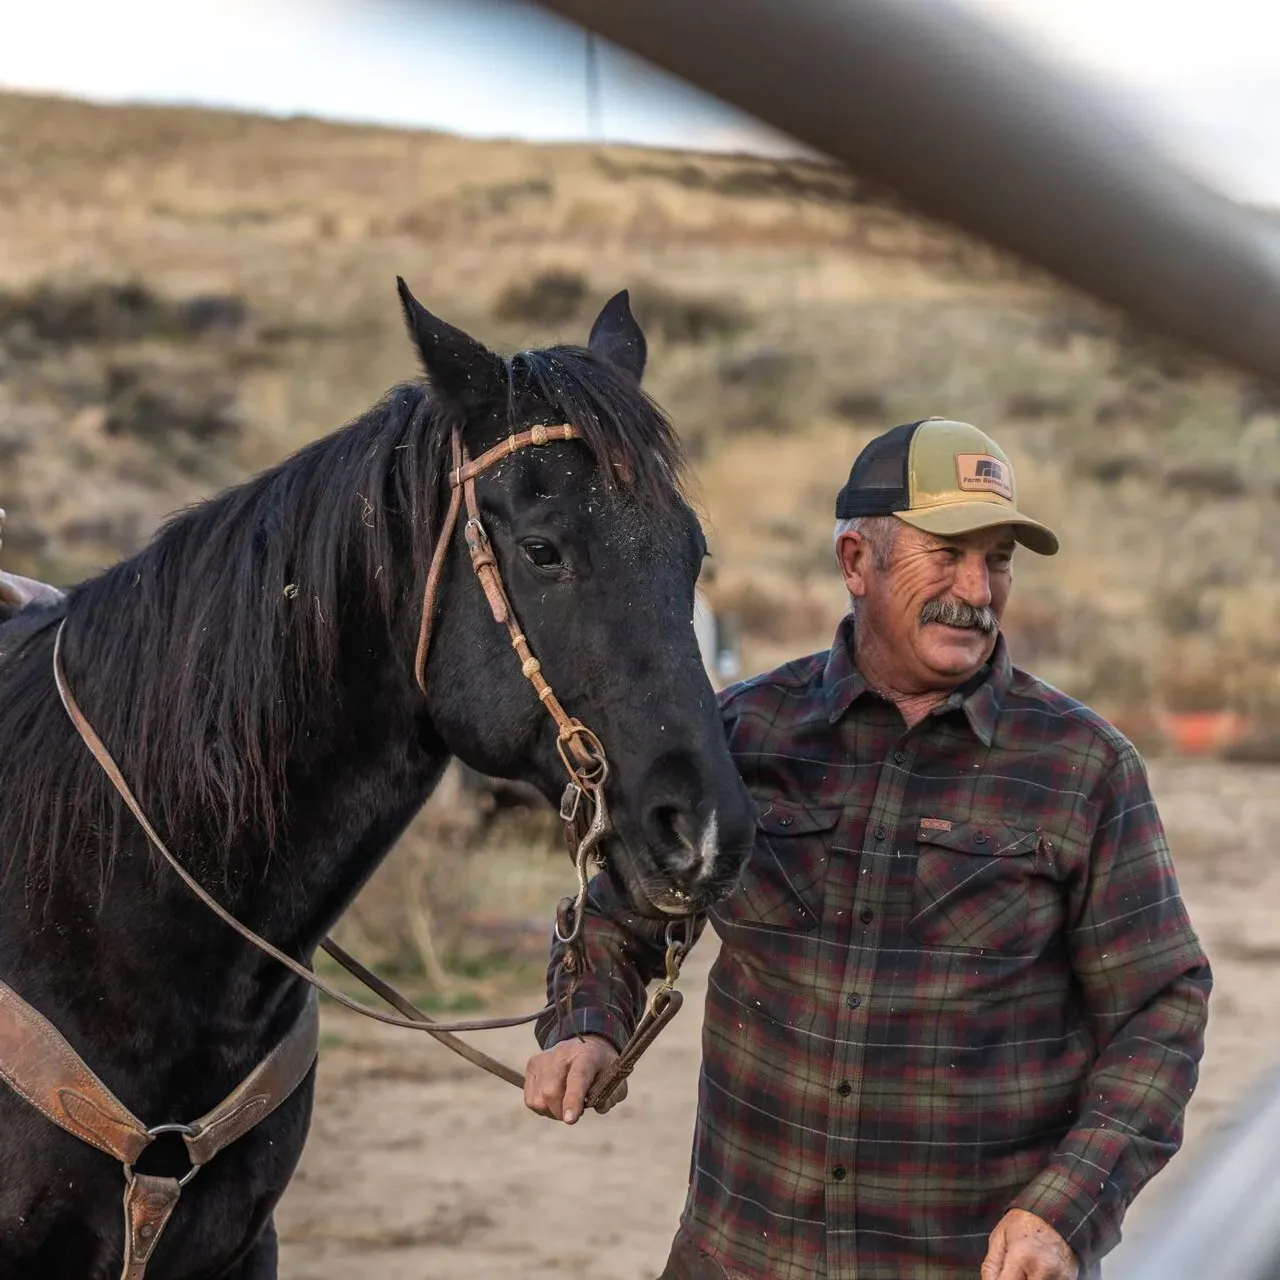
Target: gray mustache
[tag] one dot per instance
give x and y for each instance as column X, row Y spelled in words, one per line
column 953, row 613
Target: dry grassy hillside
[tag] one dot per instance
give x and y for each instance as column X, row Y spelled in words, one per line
column 185, row 296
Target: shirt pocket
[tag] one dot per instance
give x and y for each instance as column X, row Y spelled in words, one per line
column 972, row 885
column 782, row 884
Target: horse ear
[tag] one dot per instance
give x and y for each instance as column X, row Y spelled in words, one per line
column 617, row 337
column 461, row 370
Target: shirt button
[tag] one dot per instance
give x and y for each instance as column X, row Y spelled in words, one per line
column 979, row 837
column 845, row 1089
column 866, row 915
column 784, row 822
column 880, row 831
column 838, row 1173
column 853, row 1001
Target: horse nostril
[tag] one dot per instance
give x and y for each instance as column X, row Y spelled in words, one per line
column 666, row 825
column 678, row 816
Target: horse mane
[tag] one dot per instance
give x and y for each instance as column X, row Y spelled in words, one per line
column 195, row 657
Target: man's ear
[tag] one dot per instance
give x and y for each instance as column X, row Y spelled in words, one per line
column 855, row 555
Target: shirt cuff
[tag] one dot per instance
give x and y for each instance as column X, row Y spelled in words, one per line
column 1082, row 1215
column 551, row 1030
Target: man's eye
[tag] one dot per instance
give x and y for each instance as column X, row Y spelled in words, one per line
column 543, row 554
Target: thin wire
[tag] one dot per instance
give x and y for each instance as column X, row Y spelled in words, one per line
column 595, row 113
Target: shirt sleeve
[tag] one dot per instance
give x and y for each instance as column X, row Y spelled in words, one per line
column 1145, row 983
column 625, row 952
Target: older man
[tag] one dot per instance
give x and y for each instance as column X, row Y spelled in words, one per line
column 958, row 1008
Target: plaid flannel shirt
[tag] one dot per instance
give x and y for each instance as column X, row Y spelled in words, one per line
column 957, row 977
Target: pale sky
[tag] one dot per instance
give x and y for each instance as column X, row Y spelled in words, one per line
column 1204, row 78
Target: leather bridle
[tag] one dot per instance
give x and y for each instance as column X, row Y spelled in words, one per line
column 582, row 807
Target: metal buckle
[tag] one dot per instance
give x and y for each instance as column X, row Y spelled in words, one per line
column 570, row 801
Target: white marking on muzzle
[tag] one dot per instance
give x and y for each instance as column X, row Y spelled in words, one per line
column 709, row 846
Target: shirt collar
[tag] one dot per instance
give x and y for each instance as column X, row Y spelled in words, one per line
column 980, row 697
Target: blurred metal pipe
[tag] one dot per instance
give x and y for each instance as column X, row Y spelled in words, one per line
column 925, row 98
column 1223, row 1220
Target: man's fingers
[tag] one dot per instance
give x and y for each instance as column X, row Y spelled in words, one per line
column 582, row 1072
column 993, row 1263
column 1032, row 1264
column 532, row 1086
column 1018, row 1262
column 556, row 1081
column 544, row 1083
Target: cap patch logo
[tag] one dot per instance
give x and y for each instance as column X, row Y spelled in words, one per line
column 982, row 473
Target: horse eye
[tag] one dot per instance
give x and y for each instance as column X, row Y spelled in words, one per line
column 543, row 554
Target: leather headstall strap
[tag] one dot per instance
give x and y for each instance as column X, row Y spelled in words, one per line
column 580, row 741
column 38, row 1064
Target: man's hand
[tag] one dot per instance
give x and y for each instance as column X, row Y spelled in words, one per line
column 18, row 592
column 556, row 1081
column 1024, row 1247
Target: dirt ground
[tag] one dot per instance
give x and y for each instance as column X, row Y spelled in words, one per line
column 421, row 1168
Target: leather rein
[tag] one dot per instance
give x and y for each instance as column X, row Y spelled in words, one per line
column 582, row 807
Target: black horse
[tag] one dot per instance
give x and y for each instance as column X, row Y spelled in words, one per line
column 252, row 671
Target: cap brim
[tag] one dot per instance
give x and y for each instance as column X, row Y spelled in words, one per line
column 969, row 517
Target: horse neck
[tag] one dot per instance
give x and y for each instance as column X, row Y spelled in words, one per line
column 362, row 762
column 359, row 774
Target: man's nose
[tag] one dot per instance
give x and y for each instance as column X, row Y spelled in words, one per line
column 973, row 581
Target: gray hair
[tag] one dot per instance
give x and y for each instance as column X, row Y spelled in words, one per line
column 881, row 532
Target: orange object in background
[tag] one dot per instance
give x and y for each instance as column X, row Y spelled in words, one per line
column 1202, row 733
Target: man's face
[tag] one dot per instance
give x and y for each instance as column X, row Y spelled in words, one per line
column 934, row 610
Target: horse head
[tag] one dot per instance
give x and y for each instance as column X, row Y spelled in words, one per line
column 598, row 551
